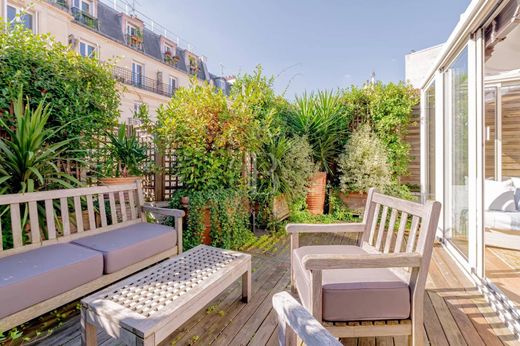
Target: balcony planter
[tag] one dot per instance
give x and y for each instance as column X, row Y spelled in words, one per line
column 316, row 193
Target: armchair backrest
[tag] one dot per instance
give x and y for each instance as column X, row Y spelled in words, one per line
column 394, row 225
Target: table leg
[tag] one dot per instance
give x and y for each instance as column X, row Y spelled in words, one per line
column 246, row 285
column 88, row 330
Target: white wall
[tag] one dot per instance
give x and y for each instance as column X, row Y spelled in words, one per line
column 419, row 64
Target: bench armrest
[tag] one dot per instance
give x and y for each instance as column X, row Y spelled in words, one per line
column 325, row 228
column 394, row 260
column 164, row 211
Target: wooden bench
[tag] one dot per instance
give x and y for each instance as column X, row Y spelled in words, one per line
column 40, row 223
column 147, row 307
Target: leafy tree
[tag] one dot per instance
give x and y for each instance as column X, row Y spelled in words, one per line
column 81, row 92
column 209, row 137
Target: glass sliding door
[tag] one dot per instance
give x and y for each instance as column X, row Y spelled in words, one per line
column 457, row 180
column 430, row 146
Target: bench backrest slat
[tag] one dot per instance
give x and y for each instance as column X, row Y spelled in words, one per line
column 44, row 218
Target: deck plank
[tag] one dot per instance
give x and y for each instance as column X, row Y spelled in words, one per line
column 455, row 312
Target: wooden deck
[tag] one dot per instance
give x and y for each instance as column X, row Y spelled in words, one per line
column 455, row 312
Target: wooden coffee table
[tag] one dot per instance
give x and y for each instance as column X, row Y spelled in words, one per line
column 147, row 307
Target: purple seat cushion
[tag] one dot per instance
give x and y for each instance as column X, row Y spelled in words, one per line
column 31, row 277
column 131, row 244
column 354, row 294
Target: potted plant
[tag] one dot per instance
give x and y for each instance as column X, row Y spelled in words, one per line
column 284, row 166
column 136, row 37
column 322, row 119
column 194, row 65
column 363, row 164
column 125, row 158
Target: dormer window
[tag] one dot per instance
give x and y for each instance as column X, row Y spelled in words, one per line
column 134, row 36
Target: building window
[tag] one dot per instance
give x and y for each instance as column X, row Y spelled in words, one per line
column 85, row 6
column 131, row 30
column 172, row 85
column 137, row 74
column 169, row 49
column 26, row 19
column 87, row 50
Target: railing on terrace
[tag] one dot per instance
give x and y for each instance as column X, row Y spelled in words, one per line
column 126, row 76
column 84, row 18
column 134, row 41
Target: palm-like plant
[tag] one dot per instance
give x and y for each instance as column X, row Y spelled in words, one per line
column 125, row 154
column 29, row 156
column 321, row 118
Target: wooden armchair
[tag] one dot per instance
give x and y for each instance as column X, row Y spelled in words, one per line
column 382, row 278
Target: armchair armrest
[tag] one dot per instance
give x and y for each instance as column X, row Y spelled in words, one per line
column 296, row 321
column 393, row 260
column 325, row 228
column 164, row 211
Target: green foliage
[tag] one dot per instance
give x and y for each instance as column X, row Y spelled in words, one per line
column 364, row 163
column 284, row 166
column 322, row 119
column 76, row 87
column 125, row 155
column 229, row 217
column 209, row 137
column 387, row 108
column 338, row 212
column 30, row 153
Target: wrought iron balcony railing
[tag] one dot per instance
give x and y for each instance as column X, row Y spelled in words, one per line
column 84, row 18
column 126, row 76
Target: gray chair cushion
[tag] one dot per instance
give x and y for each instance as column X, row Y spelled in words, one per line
column 354, row 294
column 31, row 277
column 128, row 245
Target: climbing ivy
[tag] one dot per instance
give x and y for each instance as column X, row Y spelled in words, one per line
column 229, row 217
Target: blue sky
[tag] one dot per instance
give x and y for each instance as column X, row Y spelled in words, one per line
column 310, row 44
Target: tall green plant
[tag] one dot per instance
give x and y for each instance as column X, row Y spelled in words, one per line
column 125, row 155
column 322, row 119
column 30, row 152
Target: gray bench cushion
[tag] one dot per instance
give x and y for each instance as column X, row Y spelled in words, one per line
column 354, row 294
column 34, row 276
column 131, row 244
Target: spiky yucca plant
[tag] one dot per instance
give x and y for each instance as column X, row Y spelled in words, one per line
column 322, row 119
column 29, row 156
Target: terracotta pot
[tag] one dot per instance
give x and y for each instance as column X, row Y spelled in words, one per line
column 355, row 201
column 280, row 208
column 206, row 233
column 316, row 193
column 118, row 180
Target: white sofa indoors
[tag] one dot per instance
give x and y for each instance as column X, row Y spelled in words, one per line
column 502, row 213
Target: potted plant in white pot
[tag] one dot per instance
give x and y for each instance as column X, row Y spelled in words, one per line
column 363, row 165
column 125, row 158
